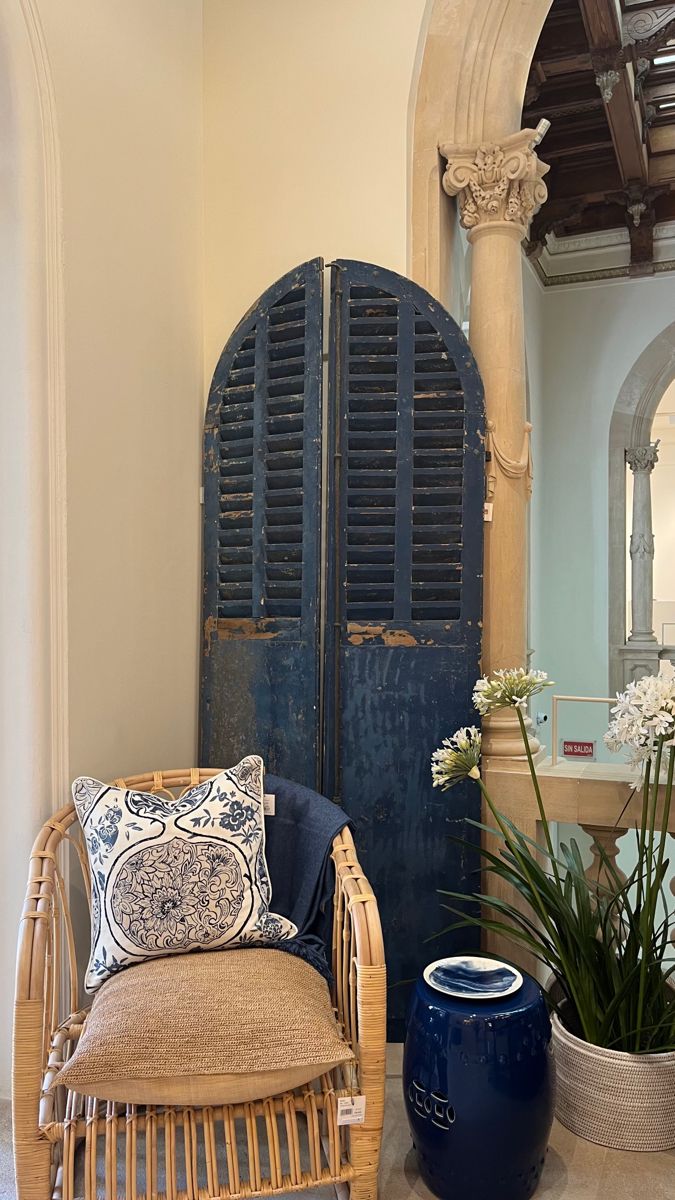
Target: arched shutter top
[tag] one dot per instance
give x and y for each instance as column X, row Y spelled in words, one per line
column 261, row 475
column 409, row 440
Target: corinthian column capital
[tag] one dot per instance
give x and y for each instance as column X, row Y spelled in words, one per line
column 643, row 458
column 496, row 184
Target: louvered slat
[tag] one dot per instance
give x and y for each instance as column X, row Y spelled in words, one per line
column 438, row 479
column 235, row 488
column 386, row 416
column 372, row 387
column 262, row 533
column 278, row 343
column 284, row 444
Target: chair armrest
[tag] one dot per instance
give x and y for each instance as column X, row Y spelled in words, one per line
column 44, row 932
column 360, row 973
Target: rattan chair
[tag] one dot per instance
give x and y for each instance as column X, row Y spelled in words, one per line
column 286, row 1143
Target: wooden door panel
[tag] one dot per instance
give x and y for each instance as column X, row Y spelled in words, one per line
column 404, row 594
column 262, row 535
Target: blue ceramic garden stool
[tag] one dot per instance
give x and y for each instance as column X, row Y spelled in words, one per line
column 478, row 1079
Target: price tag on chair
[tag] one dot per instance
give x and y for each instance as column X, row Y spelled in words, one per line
column 269, row 804
column 351, row 1110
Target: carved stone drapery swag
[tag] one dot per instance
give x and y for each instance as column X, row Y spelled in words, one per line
column 512, row 468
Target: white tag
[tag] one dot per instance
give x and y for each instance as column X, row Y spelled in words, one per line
column 487, row 511
column 351, row 1110
column 269, row 804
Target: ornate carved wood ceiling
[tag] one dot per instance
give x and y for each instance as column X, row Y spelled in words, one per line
column 603, row 74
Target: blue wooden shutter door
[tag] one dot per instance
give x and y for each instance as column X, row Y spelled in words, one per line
column 403, row 575
column 262, row 535
column 404, row 594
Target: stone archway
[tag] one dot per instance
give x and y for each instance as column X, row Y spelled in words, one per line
column 33, row 629
column 473, row 64
column 630, row 428
column 468, row 108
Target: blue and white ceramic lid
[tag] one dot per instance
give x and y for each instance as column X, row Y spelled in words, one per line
column 473, row 977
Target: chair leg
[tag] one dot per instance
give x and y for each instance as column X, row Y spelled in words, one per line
column 32, row 1152
column 364, row 1187
column 33, row 1167
column 364, row 1155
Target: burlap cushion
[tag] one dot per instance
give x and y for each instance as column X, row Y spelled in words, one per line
column 211, row 1028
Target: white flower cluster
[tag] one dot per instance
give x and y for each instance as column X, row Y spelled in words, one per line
column 457, row 758
column 508, row 689
column 644, row 713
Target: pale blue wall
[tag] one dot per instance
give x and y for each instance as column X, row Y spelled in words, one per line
column 582, row 342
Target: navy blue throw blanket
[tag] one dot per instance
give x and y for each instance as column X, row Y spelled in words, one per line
column 298, row 842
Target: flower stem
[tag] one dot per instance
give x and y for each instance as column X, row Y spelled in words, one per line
column 642, row 833
column 537, row 792
column 666, row 810
column 650, row 891
column 536, row 903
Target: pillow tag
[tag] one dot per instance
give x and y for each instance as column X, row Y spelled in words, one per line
column 351, row 1110
column 269, row 804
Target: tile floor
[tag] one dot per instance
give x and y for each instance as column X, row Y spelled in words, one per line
column 575, row 1169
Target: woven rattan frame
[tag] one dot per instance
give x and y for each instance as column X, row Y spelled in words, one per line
column 292, row 1141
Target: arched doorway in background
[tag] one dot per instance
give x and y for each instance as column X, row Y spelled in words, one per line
column 631, row 427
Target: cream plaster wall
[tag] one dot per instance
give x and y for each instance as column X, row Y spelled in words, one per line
column 305, row 144
column 592, row 335
column 299, row 153
column 127, row 80
column 103, row 280
column 24, row 560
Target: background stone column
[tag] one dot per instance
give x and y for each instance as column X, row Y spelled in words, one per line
column 642, row 460
column 499, row 188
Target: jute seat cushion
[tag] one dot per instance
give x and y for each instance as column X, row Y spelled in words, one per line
column 221, row 1027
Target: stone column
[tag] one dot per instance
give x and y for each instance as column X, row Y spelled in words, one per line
column 500, row 188
column 642, row 460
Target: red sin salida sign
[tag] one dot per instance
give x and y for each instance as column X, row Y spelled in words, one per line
column 574, row 749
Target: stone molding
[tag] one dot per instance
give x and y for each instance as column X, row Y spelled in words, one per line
column 548, row 281
column 496, row 184
column 638, row 658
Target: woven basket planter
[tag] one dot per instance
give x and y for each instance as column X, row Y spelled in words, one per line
column 625, row 1101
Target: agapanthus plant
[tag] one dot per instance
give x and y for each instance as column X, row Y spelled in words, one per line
column 457, row 758
column 644, row 715
column 507, row 689
column 604, row 941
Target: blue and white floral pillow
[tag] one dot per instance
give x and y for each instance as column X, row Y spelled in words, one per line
column 172, row 875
